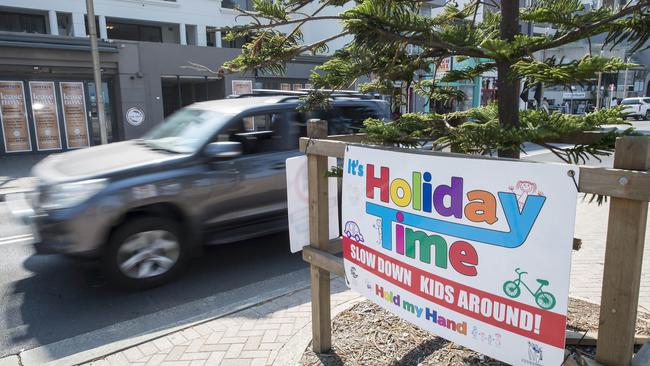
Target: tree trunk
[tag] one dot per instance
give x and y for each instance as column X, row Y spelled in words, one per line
column 507, row 83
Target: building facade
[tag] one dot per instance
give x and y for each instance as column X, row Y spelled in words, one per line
column 156, row 57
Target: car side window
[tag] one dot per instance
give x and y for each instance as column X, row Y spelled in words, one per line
column 260, row 133
column 349, row 119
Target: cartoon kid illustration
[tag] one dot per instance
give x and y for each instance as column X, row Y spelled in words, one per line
column 523, row 189
column 534, row 352
column 497, row 340
column 377, row 226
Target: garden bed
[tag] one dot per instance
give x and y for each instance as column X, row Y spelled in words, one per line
column 366, row 334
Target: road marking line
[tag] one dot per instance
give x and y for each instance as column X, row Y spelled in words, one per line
column 17, row 240
column 15, row 237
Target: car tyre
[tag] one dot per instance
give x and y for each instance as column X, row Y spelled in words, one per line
column 647, row 115
column 638, row 118
column 145, row 252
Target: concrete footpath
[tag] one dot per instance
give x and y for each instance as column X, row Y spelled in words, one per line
column 271, row 333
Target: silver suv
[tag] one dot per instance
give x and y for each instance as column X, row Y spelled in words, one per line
column 211, row 173
column 638, row 108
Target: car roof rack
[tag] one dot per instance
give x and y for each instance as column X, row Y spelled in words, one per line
column 295, row 94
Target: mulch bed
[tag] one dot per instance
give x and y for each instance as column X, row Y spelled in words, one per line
column 368, row 335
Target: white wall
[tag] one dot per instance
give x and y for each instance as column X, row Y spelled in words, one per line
column 199, row 13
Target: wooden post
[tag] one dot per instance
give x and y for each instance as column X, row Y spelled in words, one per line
column 623, row 259
column 319, row 238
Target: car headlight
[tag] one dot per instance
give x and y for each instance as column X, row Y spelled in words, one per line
column 66, row 195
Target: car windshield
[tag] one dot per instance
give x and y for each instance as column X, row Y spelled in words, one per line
column 186, row 130
column 630, row 102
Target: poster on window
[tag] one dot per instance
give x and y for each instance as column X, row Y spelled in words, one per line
column 478, row 258
column 240, row 87
column 46, row 118
column 74, row 114
column 13, row 115
column 297, row 87
column 285, row 86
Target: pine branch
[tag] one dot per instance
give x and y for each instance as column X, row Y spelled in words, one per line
column 587, row 30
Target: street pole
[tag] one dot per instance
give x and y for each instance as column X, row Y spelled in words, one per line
column 97, row 73
column 625, row 84
column 600, row 78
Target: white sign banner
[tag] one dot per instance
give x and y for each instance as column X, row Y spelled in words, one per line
column 574, row 95
column 477, row 251
column 298, row 203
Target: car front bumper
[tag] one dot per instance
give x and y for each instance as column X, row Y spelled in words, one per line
column 78, row 232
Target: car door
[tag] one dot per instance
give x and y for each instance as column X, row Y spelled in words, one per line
column 258, row 201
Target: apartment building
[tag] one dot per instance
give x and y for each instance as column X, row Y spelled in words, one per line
column 149, row 50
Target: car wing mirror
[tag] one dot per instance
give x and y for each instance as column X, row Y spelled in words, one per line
column 223, row 149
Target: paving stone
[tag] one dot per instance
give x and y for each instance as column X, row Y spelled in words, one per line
column 117, row 359
column 270, row 336
column 133, row 354
column 252, row 343
column 214, row 347
column 195, row 356
column 234, row 350
column 163, row 343
column 203, row 329
column 148, row 348
column 176, row 339
column 190, row 334
column 195, row 345
column 236, row 362
column 156, row 360
column 214, row 338
column 215, row 358
column 255, row 354
column 176, row 353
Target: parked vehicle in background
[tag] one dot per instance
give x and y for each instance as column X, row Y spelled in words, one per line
column 638, row 108
column 211, row 173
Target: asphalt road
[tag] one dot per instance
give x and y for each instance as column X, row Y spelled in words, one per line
column 50, row 298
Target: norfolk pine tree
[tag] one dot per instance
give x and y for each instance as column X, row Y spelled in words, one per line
column 381, row 36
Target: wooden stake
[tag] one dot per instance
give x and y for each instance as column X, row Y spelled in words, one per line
column 623, row 259
column 319, row 238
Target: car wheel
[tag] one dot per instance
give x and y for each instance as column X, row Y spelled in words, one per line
column 145, row 252
column 638, row 118
column 647, row 115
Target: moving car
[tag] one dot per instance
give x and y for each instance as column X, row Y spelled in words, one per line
column 211, row 173
column 638, row 108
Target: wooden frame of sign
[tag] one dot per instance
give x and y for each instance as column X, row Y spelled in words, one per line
column 627, row 185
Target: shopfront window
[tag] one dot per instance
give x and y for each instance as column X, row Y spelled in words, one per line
column 18, row 22
column 242, row 4
column 108, row 113
column 181, row 91
column 134, row 32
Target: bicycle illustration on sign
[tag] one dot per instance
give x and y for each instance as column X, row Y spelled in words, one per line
column 544, row 300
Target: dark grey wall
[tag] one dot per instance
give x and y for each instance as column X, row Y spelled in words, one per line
column 142, row 64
